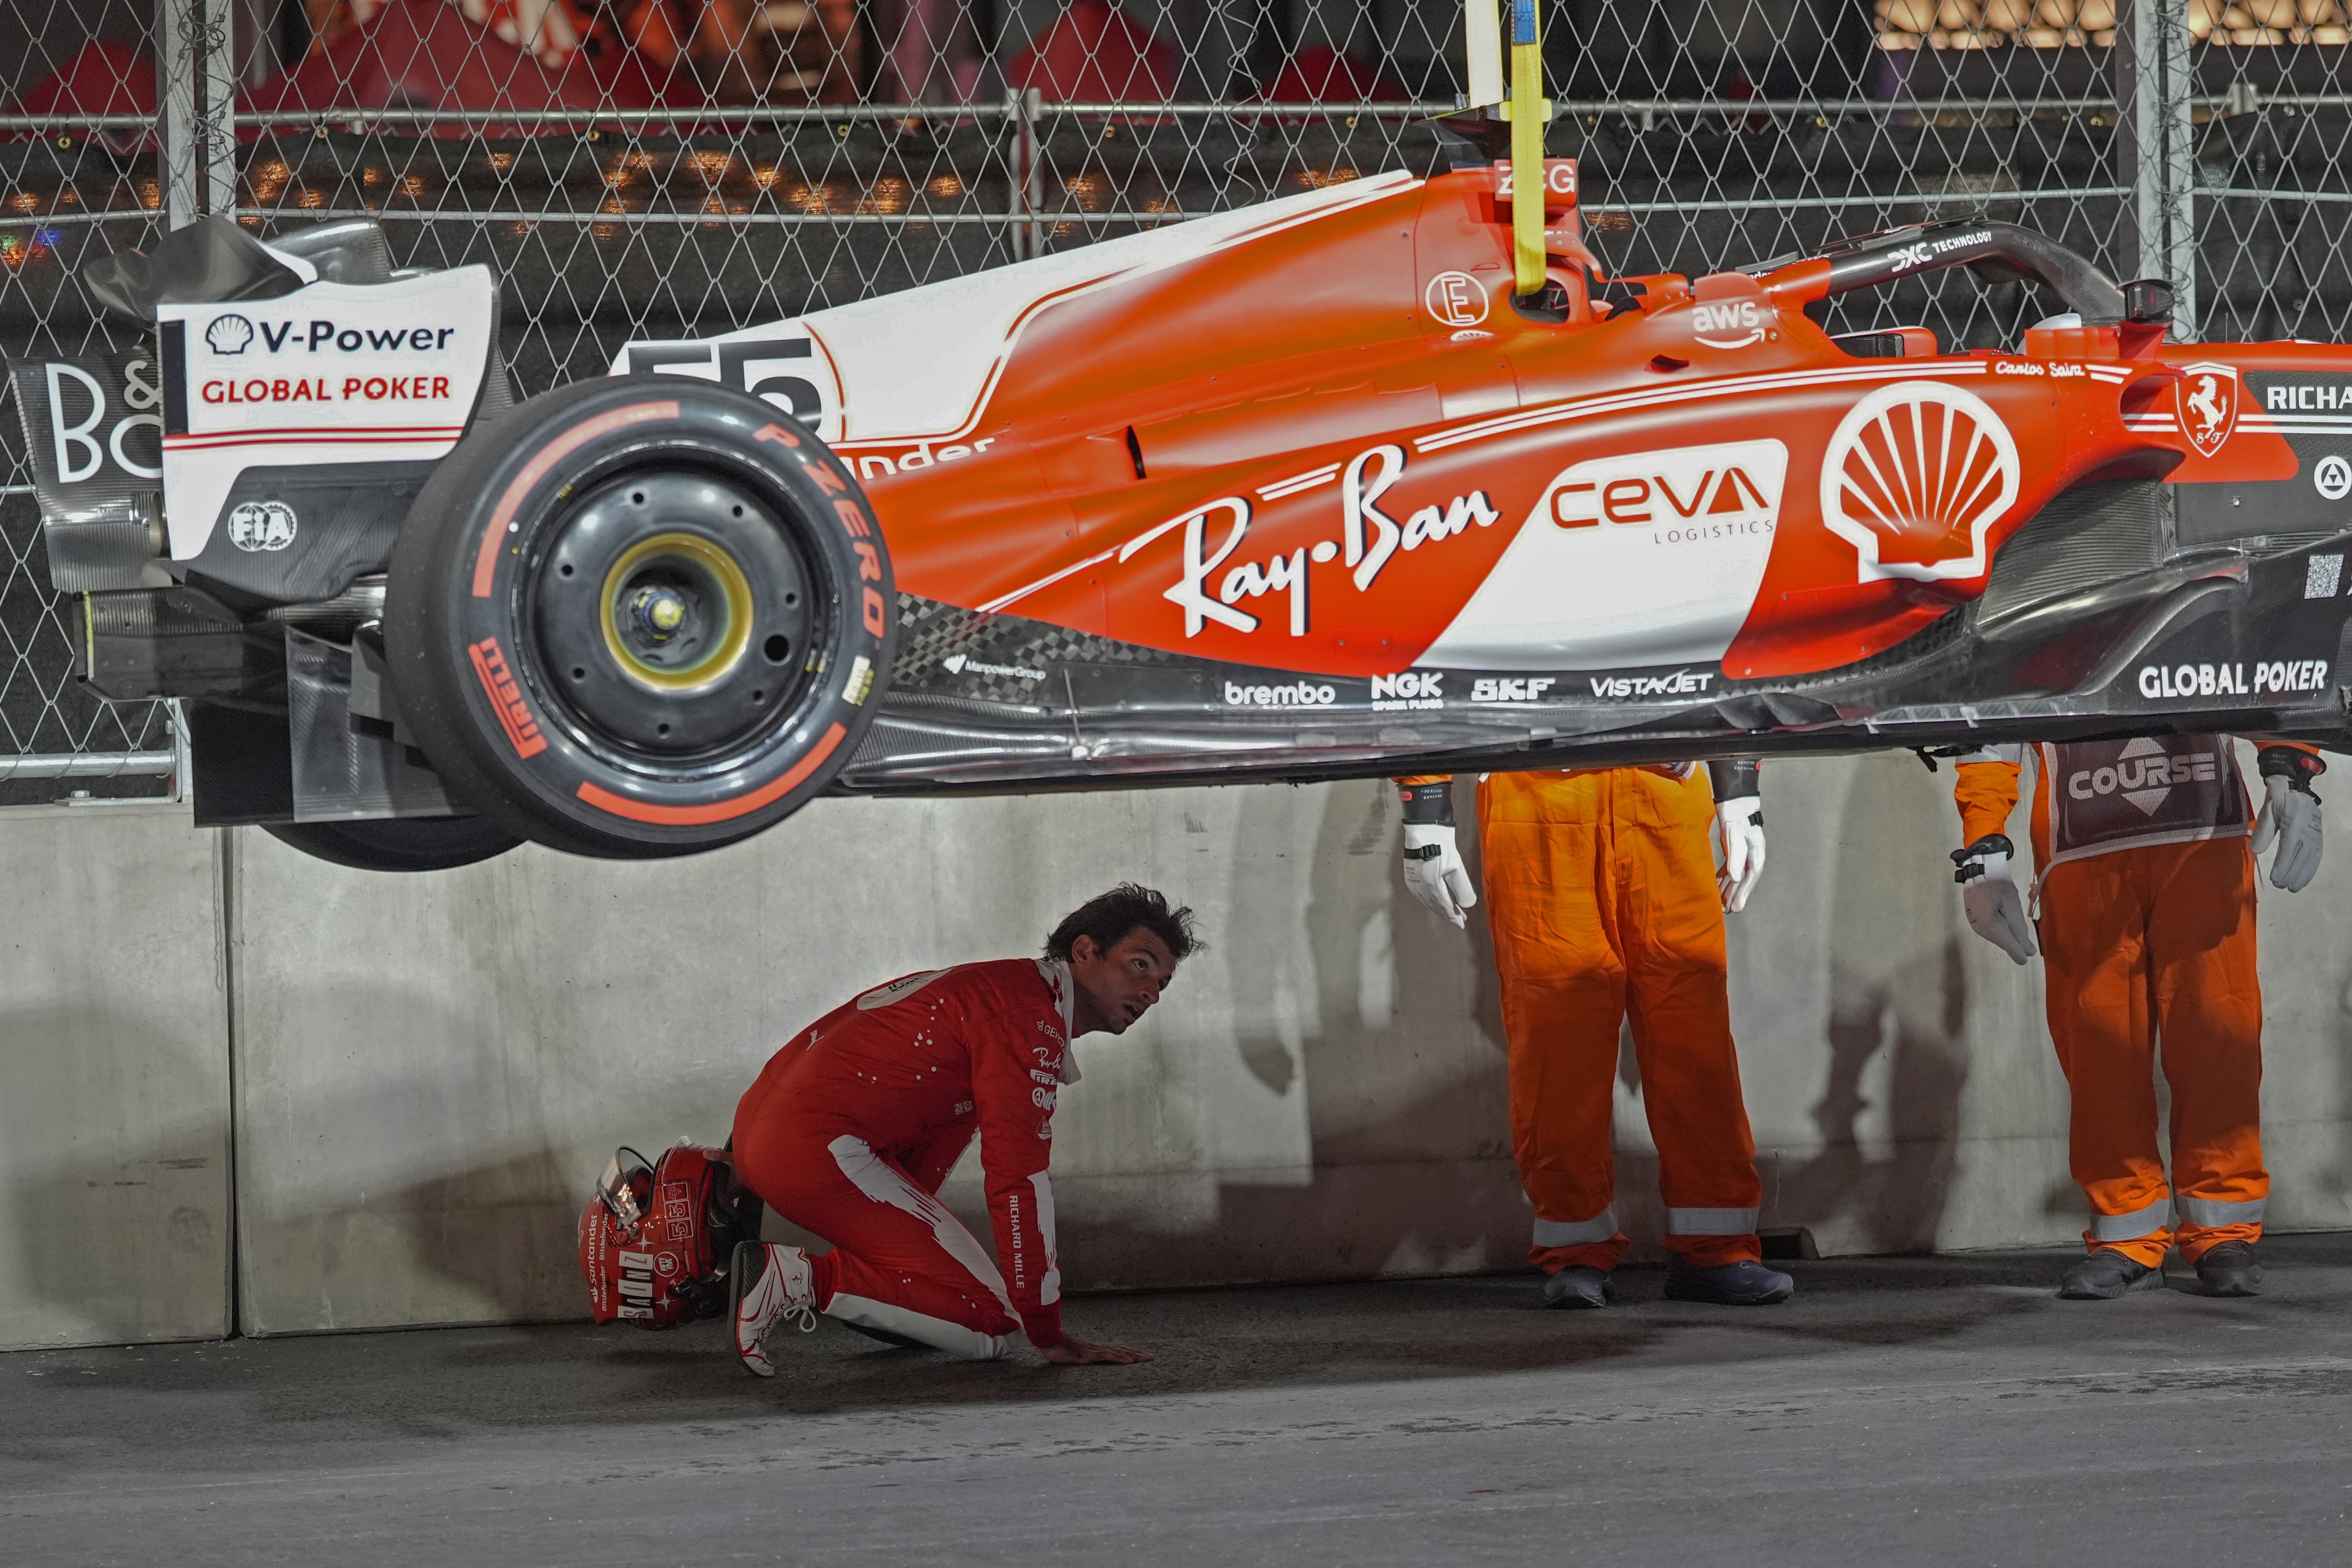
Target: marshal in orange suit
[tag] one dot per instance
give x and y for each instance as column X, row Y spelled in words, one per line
column 1606, row 906
column 2146, row 925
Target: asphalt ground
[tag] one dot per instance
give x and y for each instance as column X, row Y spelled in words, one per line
column 1898, row 1411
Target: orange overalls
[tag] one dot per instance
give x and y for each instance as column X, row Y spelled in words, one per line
column 1601, row 897
column 2147, row 923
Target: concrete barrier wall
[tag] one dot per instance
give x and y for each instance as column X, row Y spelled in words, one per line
column 433, row 1071
column 114, row 1073
column 430, row 1071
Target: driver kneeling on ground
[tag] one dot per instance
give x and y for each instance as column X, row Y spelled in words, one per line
column 853, row 1124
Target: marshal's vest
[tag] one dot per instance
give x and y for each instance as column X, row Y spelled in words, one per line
column 2121, row 794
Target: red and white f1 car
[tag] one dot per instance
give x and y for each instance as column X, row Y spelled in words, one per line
column 1310, row 489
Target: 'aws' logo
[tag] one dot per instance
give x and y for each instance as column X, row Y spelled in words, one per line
column 1729, row 323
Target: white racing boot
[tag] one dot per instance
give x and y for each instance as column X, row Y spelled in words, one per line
column 766, row 1284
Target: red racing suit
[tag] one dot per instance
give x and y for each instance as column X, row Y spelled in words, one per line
column 852, row 1126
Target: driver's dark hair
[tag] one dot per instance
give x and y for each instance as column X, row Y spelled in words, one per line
column 1109, row 917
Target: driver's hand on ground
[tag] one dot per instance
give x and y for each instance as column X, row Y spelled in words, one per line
column 1075, row 1352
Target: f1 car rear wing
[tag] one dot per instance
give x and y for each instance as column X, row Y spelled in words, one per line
column 1996, row 253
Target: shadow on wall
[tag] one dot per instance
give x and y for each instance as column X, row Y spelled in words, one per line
column 121, row 1235
column 337, row 1228
column 1384, row 1017
column 1897, row 998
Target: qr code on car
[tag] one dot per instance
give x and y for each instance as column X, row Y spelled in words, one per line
column 2321, row 575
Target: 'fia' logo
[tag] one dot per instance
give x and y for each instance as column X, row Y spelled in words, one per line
column 1915, row 475
column 2206, row 396
column 261, row 525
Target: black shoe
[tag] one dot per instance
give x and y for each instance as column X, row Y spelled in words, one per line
column 1731, row 1285
column 1578, row 1286
column 2107, row 1274
column 2229, row 1268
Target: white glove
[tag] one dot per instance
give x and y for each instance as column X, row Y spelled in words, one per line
column 1434, row 871
column 1741, row 824
column 2291, row 815
column 1989, row 893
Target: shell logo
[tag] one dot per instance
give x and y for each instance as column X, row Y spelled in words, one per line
column 1915, row 475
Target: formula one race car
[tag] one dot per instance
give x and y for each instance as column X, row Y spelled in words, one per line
column 1312, row 489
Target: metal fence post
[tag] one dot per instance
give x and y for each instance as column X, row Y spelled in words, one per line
column 2154, row 143
column 1028, row 172
column 177, row 24
column 216, row 53
column 199, row 80
column 2179, row 170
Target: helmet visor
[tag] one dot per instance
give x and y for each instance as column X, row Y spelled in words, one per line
column 627, row 1189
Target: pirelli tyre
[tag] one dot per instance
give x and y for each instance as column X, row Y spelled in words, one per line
column 398, row 843
column 639, row 616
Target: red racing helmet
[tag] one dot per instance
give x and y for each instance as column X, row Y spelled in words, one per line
column 655, row 1238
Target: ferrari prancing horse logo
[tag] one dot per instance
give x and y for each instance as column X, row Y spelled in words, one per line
column 2206, row 396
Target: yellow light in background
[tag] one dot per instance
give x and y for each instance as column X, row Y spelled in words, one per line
column 888, row 195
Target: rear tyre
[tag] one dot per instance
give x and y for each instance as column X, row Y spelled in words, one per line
column 398, row 843
column 640, row 616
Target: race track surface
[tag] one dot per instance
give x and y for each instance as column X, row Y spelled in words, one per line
column 1900, row 1410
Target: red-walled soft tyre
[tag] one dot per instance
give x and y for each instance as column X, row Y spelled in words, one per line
column 640, row 616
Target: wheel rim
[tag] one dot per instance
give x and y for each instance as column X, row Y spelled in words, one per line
column 677, row 613
column 672, row 621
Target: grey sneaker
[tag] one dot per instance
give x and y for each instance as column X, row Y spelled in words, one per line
column 1578, row 1285
column 1730, row 1285
column 2107, row 1274
column 2230, row 1269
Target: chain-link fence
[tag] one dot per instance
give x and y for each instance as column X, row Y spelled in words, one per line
column 666, row 168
